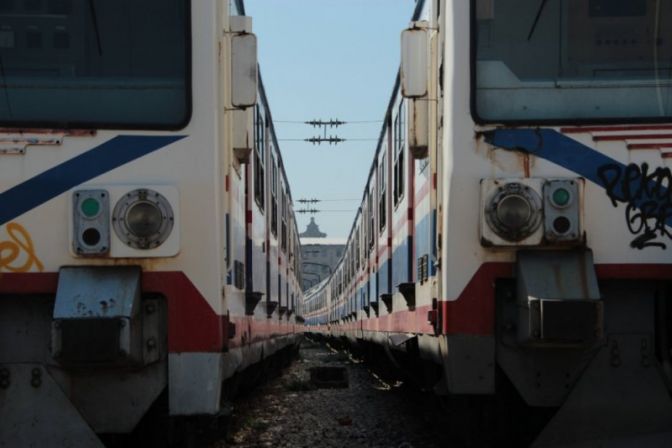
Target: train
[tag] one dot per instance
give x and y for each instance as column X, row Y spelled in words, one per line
column 510, row 252
column 149, row 251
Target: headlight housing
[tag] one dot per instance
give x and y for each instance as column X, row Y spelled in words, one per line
column 518, row 212
column 143, row 219
column 514, row 211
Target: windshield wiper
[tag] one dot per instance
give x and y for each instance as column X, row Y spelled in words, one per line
column 536, row 19
column 94, row 21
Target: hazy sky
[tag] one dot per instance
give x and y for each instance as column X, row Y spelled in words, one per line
column 324, row 59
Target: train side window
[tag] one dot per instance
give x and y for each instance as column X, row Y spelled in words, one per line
column 399, row 143
column 259, row 145
column 382, row 189
column 274, row 196
column 283, row 198
column 372, row 220
column 357, row 249
column 365, row 225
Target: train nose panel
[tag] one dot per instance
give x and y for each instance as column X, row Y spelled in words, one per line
column 34, row 411
column 621, row 400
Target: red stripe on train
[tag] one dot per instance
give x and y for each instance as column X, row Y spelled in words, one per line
column 250, row 330
column 649, row 146
column 619, row 137
column 193, row 326
column 474, row 310
column 646, row 127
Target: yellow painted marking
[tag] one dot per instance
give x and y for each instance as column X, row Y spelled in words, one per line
column 18, row 253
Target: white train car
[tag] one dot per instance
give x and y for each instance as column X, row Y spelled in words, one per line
column 127, row 158
column 521, row 238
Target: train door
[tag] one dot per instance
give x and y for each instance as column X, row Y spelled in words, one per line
column 255, row 192
column 402, row 215
column 272, row 240
column 282, row 253
column 424, row 224
column 384, row 254
column 372, row 247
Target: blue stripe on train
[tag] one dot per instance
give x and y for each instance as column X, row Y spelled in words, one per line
column 572, row 155
column 425, row 237
column 93, row 163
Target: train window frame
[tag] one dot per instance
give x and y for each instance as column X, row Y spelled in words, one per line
column 399, row 154
column 274, row 195
column 372, row 219
column 283, row 219
column 382, row 193
column 480, row 120
column 175, row 125
column 357, row 248
column 259, row 162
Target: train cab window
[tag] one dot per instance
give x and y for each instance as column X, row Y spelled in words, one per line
column 259, row 154
column 106, row 64
column 382, row 192
column 572, row 60
column 399, row 144
column 274, row 196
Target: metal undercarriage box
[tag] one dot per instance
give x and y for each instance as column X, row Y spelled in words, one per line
column 97, row 316
column 558, row 298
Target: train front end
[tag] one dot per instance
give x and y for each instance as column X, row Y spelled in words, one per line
column 554, row 235
column 112, row 215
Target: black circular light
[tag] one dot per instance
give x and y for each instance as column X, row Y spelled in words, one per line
column 561, row 225
column 91, row 236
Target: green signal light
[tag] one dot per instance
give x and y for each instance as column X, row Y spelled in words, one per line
column 90, row 207
column 561, row 197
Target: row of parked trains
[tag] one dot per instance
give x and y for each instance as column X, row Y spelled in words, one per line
column 511, row 247
column 149, row 253
column 510, row 250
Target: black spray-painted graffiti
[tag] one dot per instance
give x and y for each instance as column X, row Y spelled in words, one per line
column 648, row 199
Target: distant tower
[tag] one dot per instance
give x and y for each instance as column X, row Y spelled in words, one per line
column 313, row 230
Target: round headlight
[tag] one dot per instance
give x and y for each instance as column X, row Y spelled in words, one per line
column 514, row 212
column 143, row 219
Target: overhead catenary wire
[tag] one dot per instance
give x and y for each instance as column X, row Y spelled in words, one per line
column 313, row 200
column 313, row 211
column 346, row 122
column 342, row 140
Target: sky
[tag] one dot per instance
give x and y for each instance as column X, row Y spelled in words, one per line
column 328, row 59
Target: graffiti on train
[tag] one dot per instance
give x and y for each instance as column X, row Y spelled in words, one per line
column 647, row 194
column 17, row 252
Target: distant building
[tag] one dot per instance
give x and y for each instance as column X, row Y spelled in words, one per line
column 313, row 230
column 320, row 254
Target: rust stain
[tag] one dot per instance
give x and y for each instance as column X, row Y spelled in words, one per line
column 526, row 164
column 146, row 264
column 583, row 278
